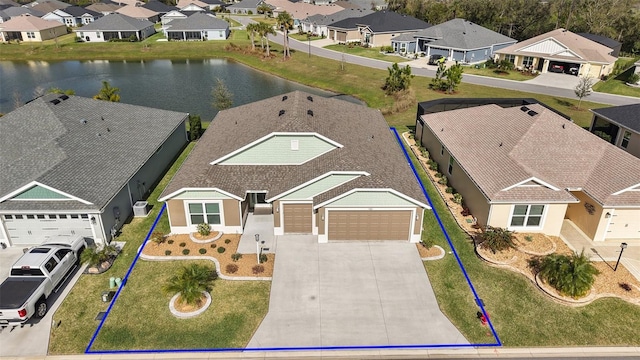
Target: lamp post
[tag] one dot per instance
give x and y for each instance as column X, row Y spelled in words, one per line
column 258, row 248
column 622, row 247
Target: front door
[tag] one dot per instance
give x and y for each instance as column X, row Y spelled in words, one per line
column 256, row 198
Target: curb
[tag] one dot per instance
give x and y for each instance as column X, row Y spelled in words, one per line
column 187, row 315
column 437, row 257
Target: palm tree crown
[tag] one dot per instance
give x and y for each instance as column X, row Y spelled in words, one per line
column 191, row 281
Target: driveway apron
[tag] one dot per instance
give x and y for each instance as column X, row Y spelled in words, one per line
column 351, row 294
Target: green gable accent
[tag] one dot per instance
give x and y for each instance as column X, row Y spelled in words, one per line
column 277, row 150
column 202, row 195
column 371, row 198
column 319, row 187
column 40, row 193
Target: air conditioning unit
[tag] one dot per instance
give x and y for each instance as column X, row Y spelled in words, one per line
column 140, row 209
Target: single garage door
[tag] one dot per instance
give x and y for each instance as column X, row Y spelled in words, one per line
column 297, row 218
column 34, row 229
column 369, row 225
column 625, row 224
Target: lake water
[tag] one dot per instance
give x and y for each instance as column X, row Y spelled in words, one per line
column 182, row 85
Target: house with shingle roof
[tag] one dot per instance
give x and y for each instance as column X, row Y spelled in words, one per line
column 16, row 11
column 615, row 46
column 245, row 7
column 139, row 12
column 528, row 169
column 204, row 4
column 116, row 26
column 104, row 7
column 303, row 164
column 317, row 24
column 199, row 26
column 619, row 125
column 79, row 165
column 376, row 29
column 47, row 6
column 560, row 50
column 73, row 16
column 29, row 28
column 456, row 40
column 159, row 7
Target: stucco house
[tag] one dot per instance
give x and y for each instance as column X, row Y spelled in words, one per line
column 29, row 28
column 172, row 15
column 105, row 7
column 115, row 26
column 77, row 166
column 204, row 4
column 562, row 51
column 528, row 169
column 456, row 40
column 159, row 7
column 73, row 16
column 139, row 12
column 305, row 164
column 317, row 24
column 376, row 29
column 245, row 7
column 199, row 26
column 619, row 125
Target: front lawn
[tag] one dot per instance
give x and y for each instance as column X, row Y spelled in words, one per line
column 373, row 53
column 265, row 19
column 303, row 37
column 510, row 75
column 141, row 319
column 616, row 86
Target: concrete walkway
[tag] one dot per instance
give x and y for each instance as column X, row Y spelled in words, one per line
column 261, row 225
column 351, row 294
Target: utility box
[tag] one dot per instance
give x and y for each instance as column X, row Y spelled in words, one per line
column 140, row 209
column 107, row 295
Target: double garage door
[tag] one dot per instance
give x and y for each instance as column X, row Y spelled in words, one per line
column 34, row 229
column 369, row 225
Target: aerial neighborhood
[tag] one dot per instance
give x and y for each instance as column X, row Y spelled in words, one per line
column 343, row 177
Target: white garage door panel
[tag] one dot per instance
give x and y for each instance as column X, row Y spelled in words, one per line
column 625, row 224
column 31, row 230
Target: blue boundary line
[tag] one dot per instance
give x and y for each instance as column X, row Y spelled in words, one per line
column 446, row 235
column 417, row 346
column 124, row 280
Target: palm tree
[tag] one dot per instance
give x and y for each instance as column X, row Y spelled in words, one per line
column 571, row 275
column 191, row 281
column 108, row 93
column 265, row 30
column 264, row 9
column 252, row 29
column 285, row 22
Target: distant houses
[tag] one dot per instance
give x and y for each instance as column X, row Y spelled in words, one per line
column 376, row 29
column 29, row 28
column 116, row 26
column 199, row 26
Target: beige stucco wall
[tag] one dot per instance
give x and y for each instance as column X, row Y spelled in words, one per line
column 378, row 40
column 633, row 147
column 45, row 34
column 579, row 215
column 276, row 214
column 176, row 213
column 232, row 214
column 319, row 221
column 553, row 218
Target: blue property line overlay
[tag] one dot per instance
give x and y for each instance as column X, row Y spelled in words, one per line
column 307, row 348
column 446, row 235
column 124, row 280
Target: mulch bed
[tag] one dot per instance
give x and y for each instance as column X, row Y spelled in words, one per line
column 245, row 264
column 183, row 307
column 211, row 235
column 426, row 253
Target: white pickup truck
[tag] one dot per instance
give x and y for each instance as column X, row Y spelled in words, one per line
column 36, row 275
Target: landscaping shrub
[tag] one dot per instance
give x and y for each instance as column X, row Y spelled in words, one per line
column 221, row 249
column 185, row 251
column 496, row 239
column 528, row 238
column 157, row 237
column 182, row 244
column 428, row 242
column 449, row 190
column 443, row 180
column 432, row 165
column 170, row 241
column 202, row 251
column 457, row 198
column 572, row 275
column 633, row 78
column 625, row 286
column 257, row 269
column 190, row 282
column 465, row 211
column 506, row 65
column 236, row 256
column 227, row 241
column 204, row 229
column 167, row 252
column 232, row 268
column 424, row 152
column 213, row 246
column 438, row 175
column 263, row 258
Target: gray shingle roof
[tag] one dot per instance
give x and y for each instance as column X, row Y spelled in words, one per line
column 462, row 34
column 368, row 143
column 246, row 4
column 625, row 115
column 17, row 11
column 500, row 147
column 79, row 11
column 320, row 19
column 197, row 21
column 49, row 143
column 158, row 6
column 117, row 22
column 383, row 21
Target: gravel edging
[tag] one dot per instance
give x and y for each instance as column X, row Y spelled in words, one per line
column 220, row 233
column 187, row 315
column 437, row 257
column 215, row 261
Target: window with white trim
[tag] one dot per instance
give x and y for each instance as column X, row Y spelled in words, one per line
column 527, row 61
column 527, row 216
column 204, row 213
column 451, row 162
column 31, row 35
column 511, row 58
column 625, row 139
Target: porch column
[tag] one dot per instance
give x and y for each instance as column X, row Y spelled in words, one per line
column 119, row 35
column 184, row 35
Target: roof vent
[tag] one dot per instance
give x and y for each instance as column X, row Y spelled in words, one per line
column 63, row 97
column 310, row 98
column 281, row 112
column 310, row 112
column 563, row 126
column 500, row 145
column 55, row 101
column 524, row 108
column 285, row 98
column 84, row 121
column 532, row 113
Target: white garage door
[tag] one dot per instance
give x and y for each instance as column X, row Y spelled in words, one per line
column 625, row 224
column 34, row 229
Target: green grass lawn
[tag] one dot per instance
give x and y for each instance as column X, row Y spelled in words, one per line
column 373, row 53
column 303, row 37
column 141, row 318
column 521, row 314
column 265, row 19
column 510, row 75
column 616, row 86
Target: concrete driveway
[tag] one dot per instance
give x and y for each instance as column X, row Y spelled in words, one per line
column 556, row 80
column 32, row 337
column 351, row 294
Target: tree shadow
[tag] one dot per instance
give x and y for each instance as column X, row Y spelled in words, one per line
column 563, row 102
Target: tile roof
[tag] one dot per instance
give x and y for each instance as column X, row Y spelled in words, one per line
column 117, row 22
column 501, row 147
column 320, row 19
column 27, row 22
column 383, row 21
column 625, row 115
column 585, row 49
column 368, row 143
column 49, row 143
column 462, row 34
column 197, row 21
column 137, row 12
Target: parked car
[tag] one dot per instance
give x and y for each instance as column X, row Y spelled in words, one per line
column 434, row 59
column 35, row 276
column 556, row 68
column 573, row 71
